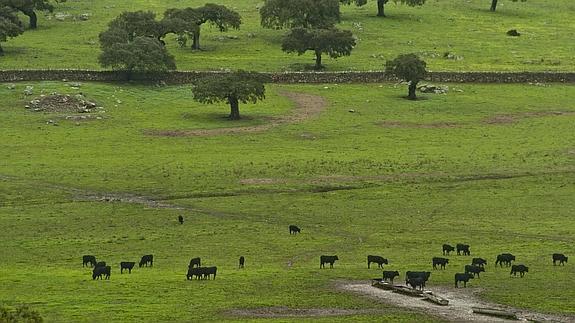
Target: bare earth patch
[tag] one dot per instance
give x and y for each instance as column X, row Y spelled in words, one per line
column 279, row 312
column 307, row 106
column 433, row 125
column 461, row 301
column 513, row 118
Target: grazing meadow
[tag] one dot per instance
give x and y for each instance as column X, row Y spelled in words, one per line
column 371, row 173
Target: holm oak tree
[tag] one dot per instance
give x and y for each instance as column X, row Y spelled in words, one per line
column 278, row 14
column 410, row 68
column 10, row 25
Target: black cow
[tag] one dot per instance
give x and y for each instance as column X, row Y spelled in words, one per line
column 195, row 262
column 98, row 272
column 293, row 229
column 327, row 260
column 417, row 282
column 463, row 248
column 147, row 259
column 417, row 274
column 101, row 264
column 521, row 269
column 126, row 265
column 504, row 258
column 559, row 257
column 475, row 270
column 479, row 262
column 242, row 261
column 377, row 259
column 181, row 219
column 447, row 249
column 390, row 275
column 439, row 261
column 88, row 259
column 460, row 277
column 194, row 272
column 207, row 271
column 201, row 272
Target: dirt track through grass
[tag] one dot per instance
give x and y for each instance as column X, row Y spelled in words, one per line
column 307, row 106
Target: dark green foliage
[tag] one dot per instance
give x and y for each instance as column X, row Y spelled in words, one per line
column 189, row 20
column 334, row 42
column 129, row 25
column 240, row 86
column 494, row 4
column 407, row 67
column 22, row 314
column 381, row 4
column 10, row 25
column 143, row 54
column 28, row 8
column 279, row 14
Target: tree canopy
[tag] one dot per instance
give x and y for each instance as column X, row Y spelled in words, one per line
column 278, row 14
column 29, row 7
column 143, row 54
column 407, row 67
column 233, row 88
column 494, row 4
column 333, row 42
column 10, row 25
column 129, row 25
column 189, row 20
column 381, row 4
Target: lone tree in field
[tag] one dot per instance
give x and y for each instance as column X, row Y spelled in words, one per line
column 333, row 42
column 278, row 14
column 10, row 26
column 189, row 20
column 29, row 8
column 494, row 4
column 407, row 67
column 233, row 88
column 381, row 4
column 143, row 54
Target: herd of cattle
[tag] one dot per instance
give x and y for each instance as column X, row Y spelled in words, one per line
column 415, row 279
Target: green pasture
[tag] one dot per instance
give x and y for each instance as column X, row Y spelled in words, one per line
column 475, row 37
column 488, row 165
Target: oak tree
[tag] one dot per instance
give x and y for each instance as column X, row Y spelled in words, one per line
column 409, row 68
column 10, row 25
column 278, row 14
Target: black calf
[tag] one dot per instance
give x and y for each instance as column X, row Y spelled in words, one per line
column 475, row 270
column 447, row 249
column 559, row 257
column 463, row 248
column 460, row 277
column 390, row 275
column 327, row 260
column 126, row 265
column 242, row 261
column 479, row 262
column 521, row 269
column 293, row 229
column 98, row 272
column 439, row 261
column 88, row 259
column 380, row 261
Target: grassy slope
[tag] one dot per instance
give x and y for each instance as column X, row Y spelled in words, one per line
column 435, row 191
column 465, row 29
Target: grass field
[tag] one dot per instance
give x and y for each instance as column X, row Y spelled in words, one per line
column 465, row 29
column 492, row 166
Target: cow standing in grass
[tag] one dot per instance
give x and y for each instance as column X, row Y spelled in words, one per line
column 462, row 277
column 463, row 249
column 504, row 258
column 447, row 249
column 129, row 265
column 147, row 259
column 89, row 259
column 195, row 262
column 439, row 261
column 410, row 275
column 327, row 260
column 390, row 275
column 98, row 272
column 521, row 269
column 293, row 229
column 475, row 270
column 380, row 261
column 559, row 257
column 479, row 262
column 242, row 262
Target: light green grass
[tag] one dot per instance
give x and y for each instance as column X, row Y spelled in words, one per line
column 354, row 186
column 463, row 28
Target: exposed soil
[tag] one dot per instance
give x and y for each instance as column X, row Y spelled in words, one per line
column 63, row 103
column 513, row 118
column 279, row 312
column 307, row 106
column 461, row 301
column 433, row 125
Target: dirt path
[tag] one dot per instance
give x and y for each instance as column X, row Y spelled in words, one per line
column 460, row 303
column 286, row 312
column 306, row 106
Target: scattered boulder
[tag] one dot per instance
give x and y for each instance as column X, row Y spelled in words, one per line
column 11, row 86
column 513, row 33
column 29, row 90
column 430, row 88
column 84, row 16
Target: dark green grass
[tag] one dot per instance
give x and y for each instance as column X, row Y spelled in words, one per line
column 466, row 29
column 354, row 186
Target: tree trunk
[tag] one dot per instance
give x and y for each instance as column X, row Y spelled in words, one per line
column 318, row 60
column 380, row 8
column 412, row 87
column 33, row 18
column 1, row 50
column 493, row 5
column 235, row 108
column 196, row 39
